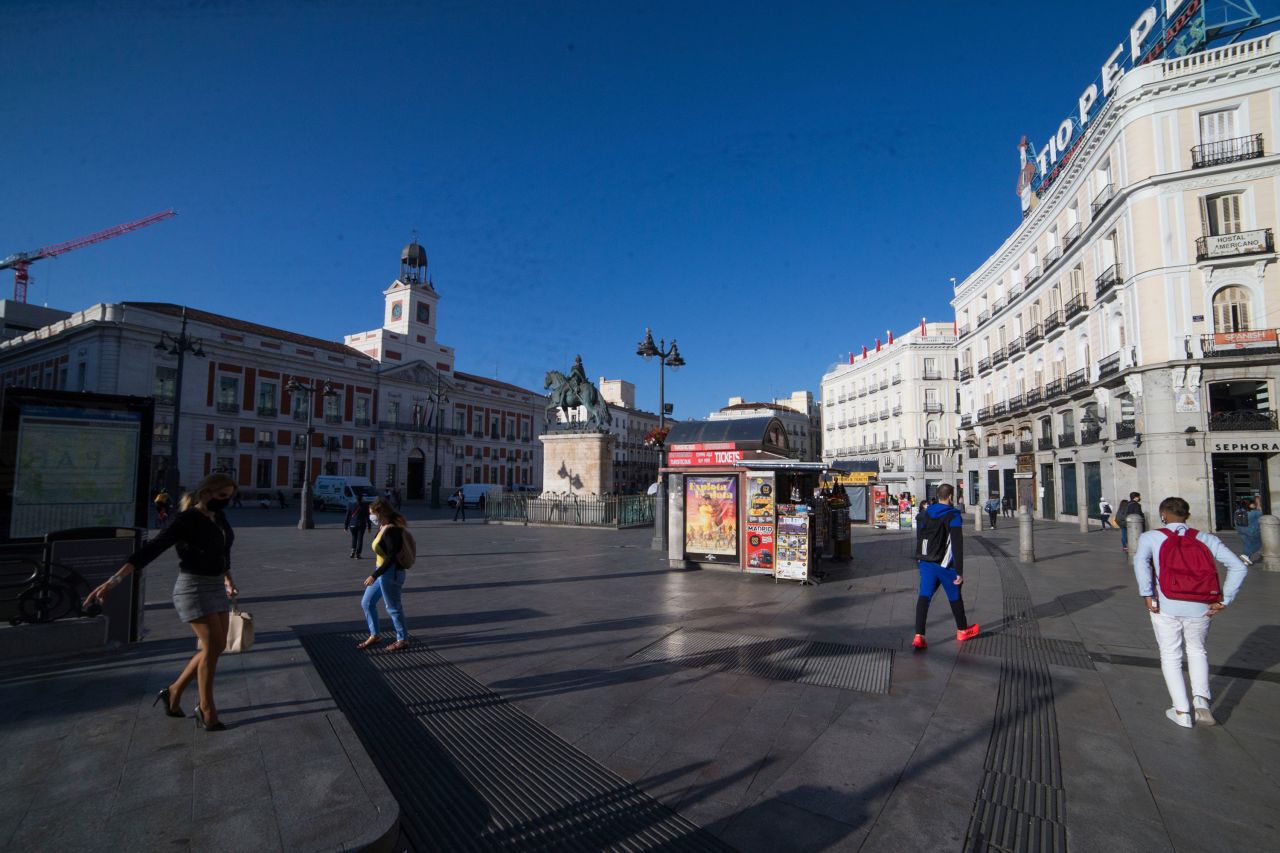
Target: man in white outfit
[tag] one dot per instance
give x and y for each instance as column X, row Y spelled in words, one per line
column 1179, row 623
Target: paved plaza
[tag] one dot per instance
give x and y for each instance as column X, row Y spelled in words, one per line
column 530, row 672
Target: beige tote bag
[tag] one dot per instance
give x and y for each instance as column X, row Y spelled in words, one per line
column 239, row 630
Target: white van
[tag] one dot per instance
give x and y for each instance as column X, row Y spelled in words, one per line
column 334, row 492
column 474, row 494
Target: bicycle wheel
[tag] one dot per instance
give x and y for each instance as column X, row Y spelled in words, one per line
column 47, row 602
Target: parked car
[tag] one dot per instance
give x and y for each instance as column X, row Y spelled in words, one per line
column 336, row 492
column 473, row 494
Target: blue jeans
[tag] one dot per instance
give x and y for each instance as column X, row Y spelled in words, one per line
column 387, row 587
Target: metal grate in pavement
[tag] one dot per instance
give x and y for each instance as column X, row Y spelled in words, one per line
column 839, row 665
column 473, row 772
column 1059, row 652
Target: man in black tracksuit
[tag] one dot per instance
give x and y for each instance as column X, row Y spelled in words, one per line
column 940, row 551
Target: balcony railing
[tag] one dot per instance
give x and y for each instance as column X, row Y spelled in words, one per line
column 1259, row 241
column 1032, row 397
column 966, row 373
column 1243, row 421
column 299, row 442
column 1051, row 256
column 933, row 374
column 299, row 414
column 1110, row 278
column 1255, row 342
column 1015, row 403
column 333, row 445
column 999, row 357
column 984, row 364
column 1043, row 443
column 1067, row 439
column 983, row 316
column 966, row 420
column 231, row 407
column 1226, row 151
column 932, row 406
column 897, row 410
column 1077, row 379
column 1090, row 436
column 998, row 306
column 964, row 330
column 362, row 422
column 1007, row 448
column 225, row 441
column 1072, row 235
column 1033, row 274
column 984, row 413
column 932, row 465
column 163, row 399
column 1015, row 346
column 895, row 380
column 1025, row 446
column 1052, row 322
column 1103, row 199
column 1109, row 366
column 999, row 409
column 862, row 392
column 1034, row 333
column 1126, row 429
column 362, row 450
column 1074, row 306
column 972, row 452
column 1052, row 388
column 331, row 418
column 267, row 411
column 266, row 443
column 884, row 383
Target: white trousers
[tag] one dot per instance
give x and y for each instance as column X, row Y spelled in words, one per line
column 1173, row 635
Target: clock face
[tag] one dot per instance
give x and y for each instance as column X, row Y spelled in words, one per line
column 424, row 313
column 397, row 309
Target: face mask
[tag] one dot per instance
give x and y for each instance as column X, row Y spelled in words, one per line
column 217, row 504
column 373, row 519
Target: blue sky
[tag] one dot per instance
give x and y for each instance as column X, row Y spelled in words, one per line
column 773, row 184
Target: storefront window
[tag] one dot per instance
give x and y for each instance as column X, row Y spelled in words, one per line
column 1069, row 503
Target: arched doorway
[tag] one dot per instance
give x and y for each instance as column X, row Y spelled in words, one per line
column 416, row 485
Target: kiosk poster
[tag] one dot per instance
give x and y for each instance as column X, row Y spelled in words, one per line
column 793, row 547
column 760, row 517
column 760, row 548
column 711, row 518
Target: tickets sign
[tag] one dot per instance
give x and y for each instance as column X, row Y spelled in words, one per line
column 702, row 458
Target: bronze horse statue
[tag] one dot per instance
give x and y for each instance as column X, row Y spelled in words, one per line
column 567, row 393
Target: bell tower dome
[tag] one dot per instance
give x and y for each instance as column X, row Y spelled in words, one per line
column 413, row 264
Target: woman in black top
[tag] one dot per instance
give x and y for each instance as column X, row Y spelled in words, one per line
column 202, row 592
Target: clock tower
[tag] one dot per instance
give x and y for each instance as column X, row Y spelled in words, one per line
column 408, row 330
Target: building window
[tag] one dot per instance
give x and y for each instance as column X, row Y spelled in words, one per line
column 1240, row 405
column 225, row 437
column 228, row 394
column 165, row 385
column 1222, row 214
column 1231, row 310
column 333, row 410
column 224, row 465
column 1217, row 126
column 266, row 438
column 267, row 398
column 81, row 369
column 299, row 471
column 362, row 469
column 262, row 480
column 391, row 475
column 393, row 411
column 162, row 433
column 362, row 411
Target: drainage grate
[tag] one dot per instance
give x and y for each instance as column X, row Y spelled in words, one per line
column 803, row 661
column 473, row 772
column 1059, row 652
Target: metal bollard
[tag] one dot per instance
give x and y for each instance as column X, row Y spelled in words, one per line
column 1270, row 527
column 1133, row 524
column 1026, row 536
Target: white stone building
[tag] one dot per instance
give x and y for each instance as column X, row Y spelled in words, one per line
column 795, row 414
column 897, row 407
column 1123, row 338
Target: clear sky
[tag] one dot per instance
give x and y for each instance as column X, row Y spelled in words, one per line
column 773, row 184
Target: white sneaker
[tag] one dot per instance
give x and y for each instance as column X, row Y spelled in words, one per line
column 1203, row 715
column 1182, row 719
column 1244, row 558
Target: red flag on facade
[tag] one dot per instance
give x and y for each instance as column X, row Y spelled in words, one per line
column 955, row 327
column 923, row 331
column 877, row 345
column 889, row 332
column 864, row 350
column 851, row 358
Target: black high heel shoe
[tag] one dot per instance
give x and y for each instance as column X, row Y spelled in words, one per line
column 168, row 709
column 208, row 727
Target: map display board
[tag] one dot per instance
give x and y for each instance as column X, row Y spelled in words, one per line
column 793, row 546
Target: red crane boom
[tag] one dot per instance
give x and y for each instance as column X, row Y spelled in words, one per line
column 21, row 261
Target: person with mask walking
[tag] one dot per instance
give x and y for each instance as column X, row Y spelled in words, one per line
column 387, row 579
column 459, row 504
column 357, row 522
column 940, row 552
column 202, row 593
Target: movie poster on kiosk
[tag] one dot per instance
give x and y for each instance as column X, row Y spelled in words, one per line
column 711, row 519
column 760, row 517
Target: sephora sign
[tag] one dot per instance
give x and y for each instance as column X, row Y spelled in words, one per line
column 1169, row 28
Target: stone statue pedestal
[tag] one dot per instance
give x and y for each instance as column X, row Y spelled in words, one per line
column 579, row 463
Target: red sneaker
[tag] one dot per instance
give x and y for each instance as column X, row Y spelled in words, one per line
column 966, row 633
column 919, row 642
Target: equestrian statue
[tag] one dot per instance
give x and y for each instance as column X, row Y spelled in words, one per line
column 569, row 393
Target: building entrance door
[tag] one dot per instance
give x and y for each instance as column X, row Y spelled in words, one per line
column 1047, row 508
column 1093, row 489
column 416, row 484
column 1236, row 477
column 993, row 485
column 1010, row 488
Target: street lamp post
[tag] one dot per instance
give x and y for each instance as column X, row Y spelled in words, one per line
column 438, row 400
column 667, row 357
column 308, row 391
column 179, row 346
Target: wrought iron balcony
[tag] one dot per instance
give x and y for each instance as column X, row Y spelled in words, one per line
column 1102, row 199
column 1077, row 379
column 362, row 450
column 895, row 380
column 884, row 383
column 984, row 364
column 897, row 410
column 1025, row 446
column 972, row 452
column 1034, row 333
column 1053, row 388
column 933, row 374
column 1109, row 366
column 998, row 306
column 1033, row 275
column 1255, row 342
column 362, row 422
column 999, row 356
column 230, row 407
column 1015, row 403
column 1226, row 151
column 266, row 443
column 163, row 399
column 999, row 410
column 964, row 330
column 267, row 411
column 300, row 442
column 966, row 420
column 1015, row 347
column 1051, row 256
column 1126, row 429
column 1007, row 448
column 983, row 316
column 1254, row 420
column 1072, row 235
column 1259, row 241
column 1032, row 397
column 966, row 373
column 1044, row 443
column 1075, row 305
column 1091, row 436
column 225, row 441
column 1052, row 322
column 331, row 418
column 862, row 392
column 1110, row 278
column 1067, row 439
column 932, row 465
column 932, row 406
column 984, row 414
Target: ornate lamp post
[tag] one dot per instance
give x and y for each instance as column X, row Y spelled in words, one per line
column 308, row 390
column 667, row 357
column 438, row 399
column 179, row 346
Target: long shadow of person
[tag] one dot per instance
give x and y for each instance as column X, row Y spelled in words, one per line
column 1256, row 654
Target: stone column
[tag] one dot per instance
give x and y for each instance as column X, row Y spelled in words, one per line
column 1270, row 527
column 978, row 518
column 1082, row 497
column 1133, row 524
column 1026, row 542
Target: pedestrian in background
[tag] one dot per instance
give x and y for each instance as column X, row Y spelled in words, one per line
column 459, row 505
column 992, row 507
column 1247, row 521
column 280, row 497
column 1104, row 510
column 357, row 522
column 940, row 552
column 387, row 579
column 1131, row 507
column 1178, row 580
column 1007, row 504
column 203, row 591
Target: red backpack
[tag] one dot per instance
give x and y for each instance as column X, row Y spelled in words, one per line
column 1187, row 569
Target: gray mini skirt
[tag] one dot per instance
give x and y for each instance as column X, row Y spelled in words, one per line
column 199, row 595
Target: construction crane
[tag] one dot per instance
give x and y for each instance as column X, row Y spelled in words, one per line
column 20, row 261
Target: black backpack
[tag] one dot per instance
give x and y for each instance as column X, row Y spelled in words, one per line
column 935, row 537
column 1241, row 518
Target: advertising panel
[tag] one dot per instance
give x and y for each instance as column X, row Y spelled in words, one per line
column 1241, row 243
column 1260, row 339
column 711, row 518
column 793, row 546
column 702, row 458
column 760, row 518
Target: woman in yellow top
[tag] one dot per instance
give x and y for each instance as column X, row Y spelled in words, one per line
column 388, row 578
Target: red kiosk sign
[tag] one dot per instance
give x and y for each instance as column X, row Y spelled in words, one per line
column 702, row 455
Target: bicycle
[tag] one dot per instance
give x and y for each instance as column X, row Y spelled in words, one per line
column 51, row 591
